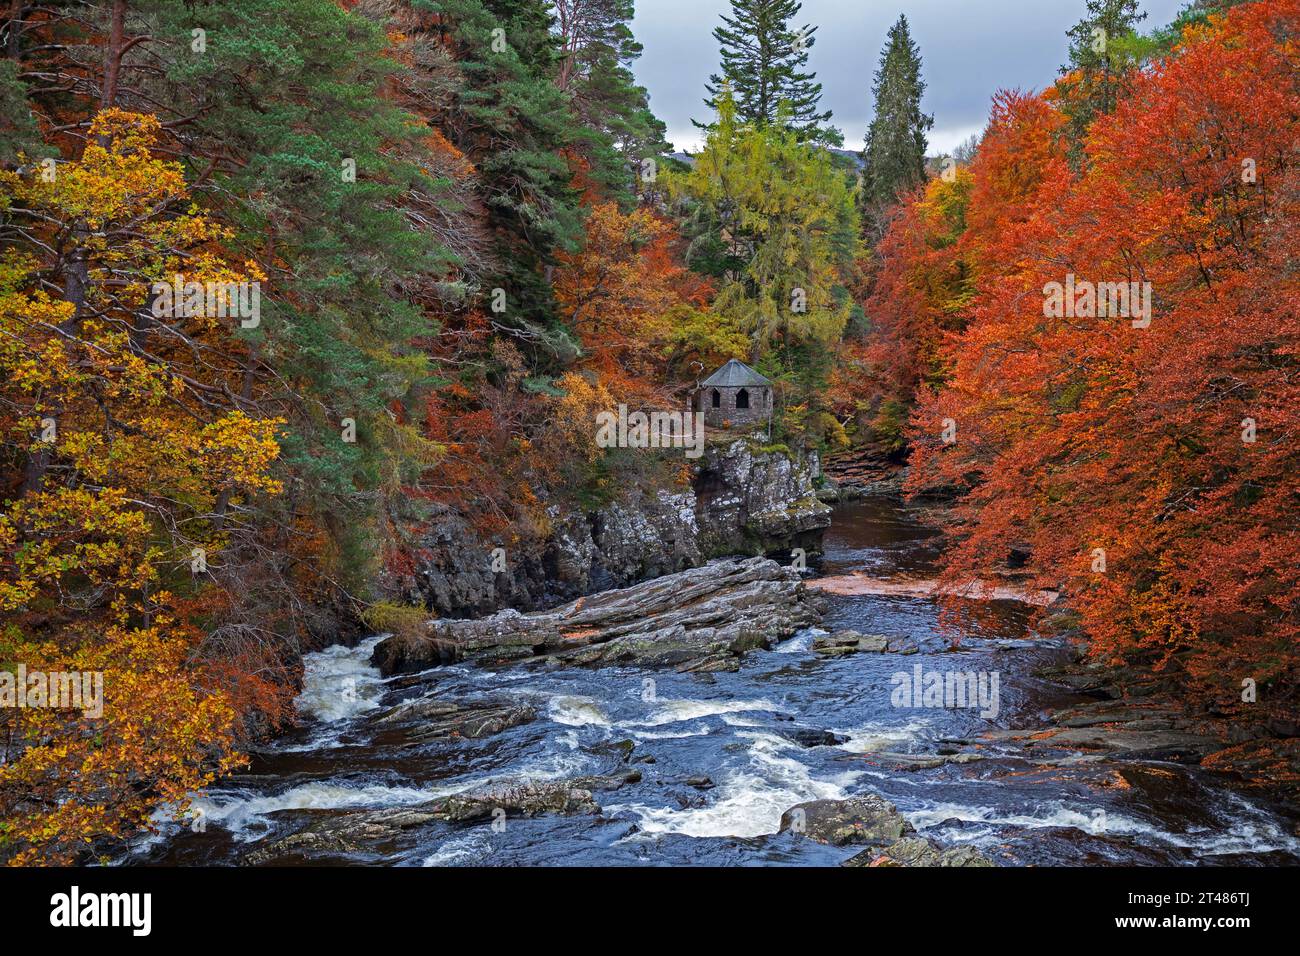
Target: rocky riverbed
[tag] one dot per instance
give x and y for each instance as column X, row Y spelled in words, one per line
column 790, row 750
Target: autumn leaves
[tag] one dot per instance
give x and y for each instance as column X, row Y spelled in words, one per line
column 1077, row 432
column 137, row 445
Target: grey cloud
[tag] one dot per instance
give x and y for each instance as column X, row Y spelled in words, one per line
column 970, row 50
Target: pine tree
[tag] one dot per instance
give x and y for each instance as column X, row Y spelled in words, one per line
column 764, row 60
column 1096, row 67
column 597, row 48
column 896, row 140
column 512, row 121
column 285, row 118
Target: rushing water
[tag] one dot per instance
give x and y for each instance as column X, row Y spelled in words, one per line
column 736, row 729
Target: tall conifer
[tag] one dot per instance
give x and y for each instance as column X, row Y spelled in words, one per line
column 896, row 140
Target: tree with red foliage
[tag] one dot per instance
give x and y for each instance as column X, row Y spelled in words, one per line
column 1149, row 469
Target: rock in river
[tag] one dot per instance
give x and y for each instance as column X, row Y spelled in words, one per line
column 698, row 620
column 849, row 642
column 864, row 819
column 341, row 834
column 874, row 822
column 428, row 718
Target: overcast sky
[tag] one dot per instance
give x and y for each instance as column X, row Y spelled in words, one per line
column 969, row 49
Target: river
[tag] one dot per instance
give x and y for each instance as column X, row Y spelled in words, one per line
column 737, row 730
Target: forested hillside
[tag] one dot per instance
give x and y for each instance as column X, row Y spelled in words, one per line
column 464, row 240
column 283, row 281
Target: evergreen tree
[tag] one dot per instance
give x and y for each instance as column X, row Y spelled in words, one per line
column 512, row 121
column 763, row 60
column 597, row 48
column 270, row 110
column 774, row 219
column 896, row 140
column 1098, row 61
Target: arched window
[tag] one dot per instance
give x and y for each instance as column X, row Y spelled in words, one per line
column 742, row 399
column 717, row 399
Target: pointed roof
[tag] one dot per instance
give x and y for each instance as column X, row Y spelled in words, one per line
column 735, row 374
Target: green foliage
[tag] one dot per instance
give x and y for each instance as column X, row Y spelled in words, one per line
column 289, row 117
column 781, row 225
column 617, row 127
column 1140, row 49
column 402, row 620
column 896, row 139
column 18, row 132
column 1102, row 50
column 764, row 61
column 775, row 220
column 703, row 340
column 509, row 116
column 888, row 427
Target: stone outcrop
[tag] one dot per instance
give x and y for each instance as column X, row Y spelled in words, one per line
column 742, row 500
column 875, row 823
column 699, row 620
column 864, row 819
column 360, row 831
column 750, row 501
column 1126, row 730
column 858, row 472
column 428, row 718
column 849, row 642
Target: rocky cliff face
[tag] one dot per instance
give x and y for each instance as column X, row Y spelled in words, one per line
column 743, row 500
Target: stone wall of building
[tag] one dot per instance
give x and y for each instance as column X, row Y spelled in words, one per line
column 727, row 412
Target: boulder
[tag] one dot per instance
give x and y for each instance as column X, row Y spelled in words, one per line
column 609, row 781
column 808, row 737
column 849, row 642
column 340, row 834
column 429, row 718
column 866, row 819
column 872, row 821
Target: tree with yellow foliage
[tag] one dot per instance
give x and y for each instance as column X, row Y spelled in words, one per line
column 139, row 442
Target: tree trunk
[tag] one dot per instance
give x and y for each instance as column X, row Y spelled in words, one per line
column 13, row 37
column 113, row 53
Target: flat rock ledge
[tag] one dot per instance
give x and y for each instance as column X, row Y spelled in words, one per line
column 1144, row 729
column 876, row 824
column 353, row 832
column 852, row 642
column 703, row 619
column 428, row 718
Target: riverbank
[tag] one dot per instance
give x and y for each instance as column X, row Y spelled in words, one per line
column 1254, row 745
column 700, row 768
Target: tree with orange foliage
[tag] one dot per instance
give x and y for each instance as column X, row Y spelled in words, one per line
column 1145, row 462
column 920, row 293
column 617, row 292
